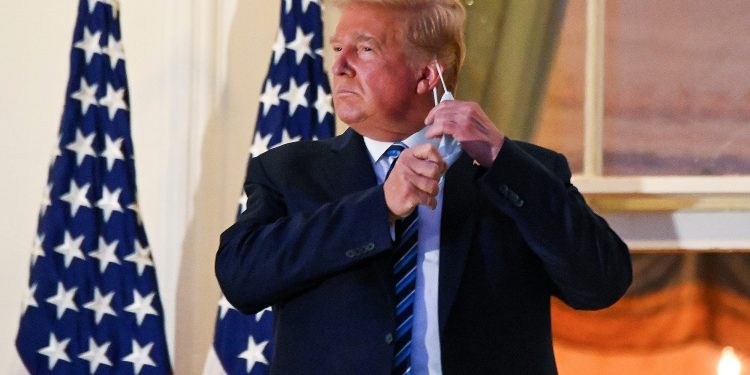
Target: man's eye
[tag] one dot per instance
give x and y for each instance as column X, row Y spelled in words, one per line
column 366, row 49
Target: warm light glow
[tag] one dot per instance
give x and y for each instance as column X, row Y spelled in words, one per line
column 729, row 364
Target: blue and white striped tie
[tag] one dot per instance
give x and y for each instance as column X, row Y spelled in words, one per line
column 405, row 275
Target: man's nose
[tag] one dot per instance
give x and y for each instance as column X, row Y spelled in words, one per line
column 341, row 65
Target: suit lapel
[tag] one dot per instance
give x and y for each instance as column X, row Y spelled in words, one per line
column 347, row 168
column 456, row 231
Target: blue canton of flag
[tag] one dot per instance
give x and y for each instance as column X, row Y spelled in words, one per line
column 295, row 105
column 93, row 305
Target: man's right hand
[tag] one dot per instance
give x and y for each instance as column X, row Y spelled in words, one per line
column 414, row 180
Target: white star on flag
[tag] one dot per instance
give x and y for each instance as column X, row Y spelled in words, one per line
column 141, row 257
column 112, row 151
column 63, row 300
column 96, row 355
column 259, row 314
column 286, row 138
column 82, row 146
column 55, row 152
column 29, row 299
column 270, row 96
column 114, row 50
column 46, row 198
column 279, row 47
column 76, row 197
column 36, row 249
column 295, row 95
column 301, row 45
column 224, row 306
column 105, row 254
column 70, row 248
column 140, row 357
column 114, row 100
column 109, row 202
column 101, row 305
column 260, row 143
column 141, row 306
column 89, row 44
column 86, row 94
column 323, row 104
column 287, row 6
column 254, row 353
column 55, row 351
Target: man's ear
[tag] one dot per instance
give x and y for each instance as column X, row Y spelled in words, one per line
column 428, row 79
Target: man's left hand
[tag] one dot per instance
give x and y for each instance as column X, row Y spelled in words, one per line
column 468, row 124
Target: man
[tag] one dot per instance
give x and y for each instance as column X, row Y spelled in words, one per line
column 504, row 232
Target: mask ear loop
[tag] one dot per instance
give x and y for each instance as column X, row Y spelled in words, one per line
column 440, row 73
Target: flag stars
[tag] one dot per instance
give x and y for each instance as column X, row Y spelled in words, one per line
column 109, row 202
column 70, row 248
column 270, row 96
column 259, row 314
column 55, row 351
column 140, row 356
column 224, row 307
column 101, row 305
column 323, row 104
column 141, row 257
column 295, row 95
column 141, row 306
column 82, row 146
column 90, row 42
column 114, row 100
column 63, row 300
column 105, row 254
column 46, row 198
column 29, row 300
column 76, row 197
column 279, row 47
column 286, row 138
column 36, row 249
column 260, row 143
column 96, row 355
column 86, row 94
column 112, row 151
column 301, row 45
column 254, row 353
column 114, row 50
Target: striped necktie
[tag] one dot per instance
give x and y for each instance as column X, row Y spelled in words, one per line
column 405, row 276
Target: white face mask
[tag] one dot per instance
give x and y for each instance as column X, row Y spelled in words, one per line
column 448, row 147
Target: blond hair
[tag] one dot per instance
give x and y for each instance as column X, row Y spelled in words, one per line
column 436, row 29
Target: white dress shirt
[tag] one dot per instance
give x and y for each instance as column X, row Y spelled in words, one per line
column 425, row 343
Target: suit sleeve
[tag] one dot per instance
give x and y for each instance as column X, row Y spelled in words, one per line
column 586, row 260
column 271, row 254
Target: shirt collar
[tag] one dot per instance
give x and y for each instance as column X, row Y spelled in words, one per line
column 377, row 148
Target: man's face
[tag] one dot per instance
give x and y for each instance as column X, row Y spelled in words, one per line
column 374, row 75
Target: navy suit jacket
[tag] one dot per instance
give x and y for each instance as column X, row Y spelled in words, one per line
column 314, row 243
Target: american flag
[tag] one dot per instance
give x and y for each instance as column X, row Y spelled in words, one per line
column 295, row 105
column 92, row 305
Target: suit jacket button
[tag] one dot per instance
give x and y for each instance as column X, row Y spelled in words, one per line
column 388, row 338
